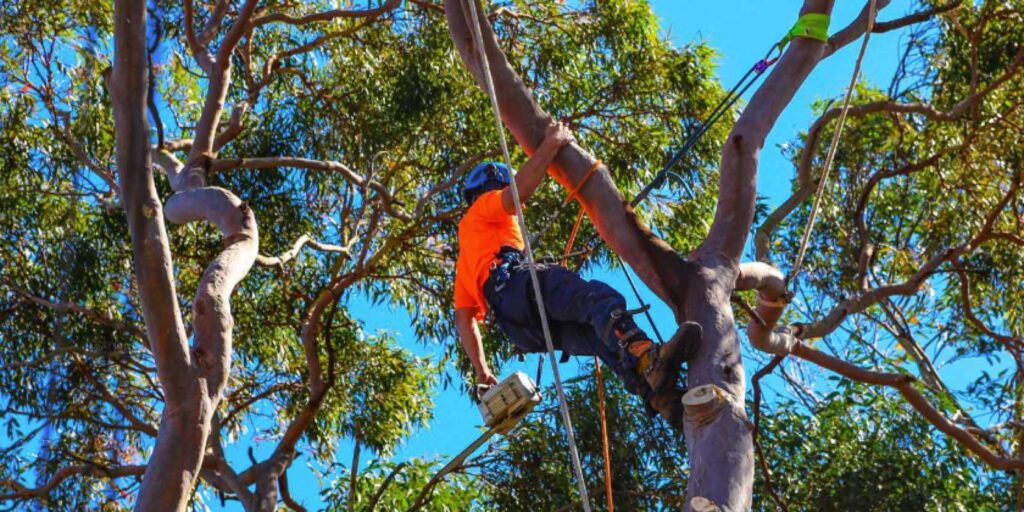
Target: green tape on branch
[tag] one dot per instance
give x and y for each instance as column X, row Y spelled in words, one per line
column 811, row 25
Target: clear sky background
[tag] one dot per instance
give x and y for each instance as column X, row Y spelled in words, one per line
column 741, row 34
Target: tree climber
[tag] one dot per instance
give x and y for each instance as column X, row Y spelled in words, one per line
column 491, row 274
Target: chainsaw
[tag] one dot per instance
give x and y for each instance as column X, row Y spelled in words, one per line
column 502, row 407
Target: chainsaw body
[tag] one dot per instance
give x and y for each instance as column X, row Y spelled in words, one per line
column 507, row 403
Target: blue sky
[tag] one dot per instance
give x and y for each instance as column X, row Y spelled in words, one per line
column 741, row 34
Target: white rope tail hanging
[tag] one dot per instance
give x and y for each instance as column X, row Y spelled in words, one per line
column 794, row 274
column 470, row 6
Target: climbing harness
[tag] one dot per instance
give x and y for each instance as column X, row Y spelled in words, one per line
column 470, row 6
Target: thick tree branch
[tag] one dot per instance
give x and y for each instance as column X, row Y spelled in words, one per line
column 285, row 257
column 737, row 183
column 212, row 319
column 152, row 259
column 772, row 298
column 213, row 24
column 234, row 126
column 218, row 472
column 202, row 149
column 199, row 50
column 286, row 495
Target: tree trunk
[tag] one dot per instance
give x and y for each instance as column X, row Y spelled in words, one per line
column 174, row 463
column 719, row 437
column 192, row 382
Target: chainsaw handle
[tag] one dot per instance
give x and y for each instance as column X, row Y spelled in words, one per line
column 481, row 389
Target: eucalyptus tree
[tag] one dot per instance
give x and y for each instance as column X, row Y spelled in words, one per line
column 932, row 190
column 307, row 157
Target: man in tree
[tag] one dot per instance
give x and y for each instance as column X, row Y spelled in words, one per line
column 585, row 317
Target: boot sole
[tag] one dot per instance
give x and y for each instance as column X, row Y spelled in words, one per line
column 689, row 334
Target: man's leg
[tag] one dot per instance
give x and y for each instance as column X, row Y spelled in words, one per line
column 582, row 340
column 570, row 298
column 578, row 310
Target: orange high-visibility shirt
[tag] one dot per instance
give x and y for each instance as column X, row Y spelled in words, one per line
column 483, row 230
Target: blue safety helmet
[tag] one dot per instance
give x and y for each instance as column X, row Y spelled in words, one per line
column 485, row 177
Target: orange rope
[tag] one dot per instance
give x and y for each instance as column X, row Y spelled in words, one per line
column 604, row 436
column 572, row 238
column 597, row 362
column 586, row 178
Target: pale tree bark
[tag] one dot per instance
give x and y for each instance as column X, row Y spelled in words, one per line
column 699, row 289
column 192, row 381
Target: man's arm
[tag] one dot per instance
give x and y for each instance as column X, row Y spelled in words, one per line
column 469, row 336
column 535, row 169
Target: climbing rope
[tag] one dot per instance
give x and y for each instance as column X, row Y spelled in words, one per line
column 605, row 449
column 794, row 273
column 723, row 106
column 601, row 409
column 470, row 6
column 814, row 26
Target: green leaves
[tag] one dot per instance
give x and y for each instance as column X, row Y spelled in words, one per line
column 865, row 450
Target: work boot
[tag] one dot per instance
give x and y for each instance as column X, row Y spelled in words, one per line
column 669, row 405
column 659, row 365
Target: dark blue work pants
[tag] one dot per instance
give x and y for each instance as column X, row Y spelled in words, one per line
column 579, row 313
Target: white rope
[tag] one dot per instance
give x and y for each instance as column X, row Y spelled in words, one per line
column 470, row 5
column 795, row 272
